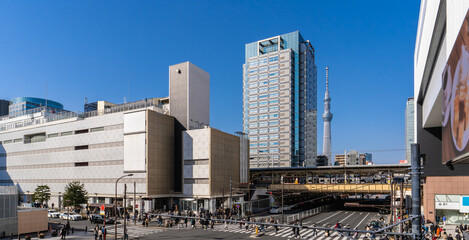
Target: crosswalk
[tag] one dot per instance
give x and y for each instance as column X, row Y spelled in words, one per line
column 135, row 231
column 287, row 233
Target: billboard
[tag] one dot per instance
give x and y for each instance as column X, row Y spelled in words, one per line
column 455, row 107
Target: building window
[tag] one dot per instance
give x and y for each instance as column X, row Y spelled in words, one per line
column 81, row 164
column 273, row 115
column 263, row 124
column 252, row 125
column 82, row 147
column 66, row 133
column 262, row 76
column 81, row 131
column 273, row 67
column 274, row 130
column 275, row 136
column 253, row 118
column 262, row 144
column 263, row 69
column 264, row 130
column 273, row 59
column 263, row 89
column 273, row 95
column 252, row 78
column 273, row 81
column 253, row 63
column 253, row 71
column 253, row 111
column 263, row 103
column 53, row 135
column 263, row 96
column 273, row 74
column 252, row 104
column 273, row 88
column 97, row 129
column 273, row 101
column 273, row 108
column 253, row 144
column 262, row 61
column 263, row 117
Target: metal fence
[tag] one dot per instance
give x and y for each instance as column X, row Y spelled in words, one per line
column 305, row 214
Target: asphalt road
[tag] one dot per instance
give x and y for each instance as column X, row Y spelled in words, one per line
column 358, row 219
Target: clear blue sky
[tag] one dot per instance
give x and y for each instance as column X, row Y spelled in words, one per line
column 95, row 48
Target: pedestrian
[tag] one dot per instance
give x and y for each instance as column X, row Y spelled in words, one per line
column 100, row 234
column 444, row 220
column 450, row 237
column 348, row 227
column 104, row 232
column 276, row 226
column 327, row 232
column 315, row 231
column 96, row 230
column 193, row 223
column 300, row 225
column 147, row 221
column 63, row 233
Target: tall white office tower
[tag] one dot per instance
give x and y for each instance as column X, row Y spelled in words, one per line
column 280, row 102
column 327, row 117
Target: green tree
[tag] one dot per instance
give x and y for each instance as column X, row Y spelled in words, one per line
column 75, row 194
column 41, row 194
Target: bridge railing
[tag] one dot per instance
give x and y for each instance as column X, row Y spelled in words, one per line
column 305, row 214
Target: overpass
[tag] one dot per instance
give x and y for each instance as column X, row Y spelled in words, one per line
column 329, row 174
column 368, row 188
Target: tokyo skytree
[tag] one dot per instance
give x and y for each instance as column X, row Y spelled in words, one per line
column 327, row 117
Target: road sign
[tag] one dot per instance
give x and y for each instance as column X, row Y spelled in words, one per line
column 237, row 205
column 136, row 205
column 102, row 213
column 102, row 207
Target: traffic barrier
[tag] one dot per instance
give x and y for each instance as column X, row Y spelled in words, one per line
column 305, row 214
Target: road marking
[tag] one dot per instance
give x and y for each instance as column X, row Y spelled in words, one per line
column 347, row 217
column 362, row 220
column 329, row 216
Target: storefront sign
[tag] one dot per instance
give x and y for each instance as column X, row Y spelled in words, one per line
column 464, row 204
column 447, row 205
column 455, row 105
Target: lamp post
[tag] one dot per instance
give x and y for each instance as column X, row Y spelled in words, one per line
column 281, row 179
column 115, row 204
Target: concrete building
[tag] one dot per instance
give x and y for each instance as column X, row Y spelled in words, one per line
column 189, row 91
column 409, row 126
column 8, row 211
column 327, row 117
column 214, row 162
column 279, row 101
column 97, row 147
column 353, row 158
column 440, row 62
column 4, row 107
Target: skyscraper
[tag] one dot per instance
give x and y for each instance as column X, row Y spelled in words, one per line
column 279, row 96
column 327, row 117
column 409, row 126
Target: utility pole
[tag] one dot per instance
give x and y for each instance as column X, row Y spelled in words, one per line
column 281, row 179
column 223, row 195
column 125, row 211
column 231, row 193
column 401, row 211
column 135, row 201
column 415, row 178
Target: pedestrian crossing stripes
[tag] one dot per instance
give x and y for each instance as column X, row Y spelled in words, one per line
column 288, row 233
column 135, row 231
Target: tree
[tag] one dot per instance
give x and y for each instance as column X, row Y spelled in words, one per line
column 41, row 194
column 75, row 194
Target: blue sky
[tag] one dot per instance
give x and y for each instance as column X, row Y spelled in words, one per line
column 94, row 49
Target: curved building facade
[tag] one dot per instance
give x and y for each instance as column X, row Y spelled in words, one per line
column 20, row 105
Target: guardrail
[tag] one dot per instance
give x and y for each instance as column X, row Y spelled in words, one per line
column 305, row 214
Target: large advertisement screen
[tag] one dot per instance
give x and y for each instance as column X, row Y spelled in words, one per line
column 455, row 107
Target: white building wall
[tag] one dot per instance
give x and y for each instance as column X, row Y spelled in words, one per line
column 196, row 148
column 52, row 162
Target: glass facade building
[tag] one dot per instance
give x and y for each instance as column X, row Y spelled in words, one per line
column 280, row 101
column 20, row 105
column 409, row 127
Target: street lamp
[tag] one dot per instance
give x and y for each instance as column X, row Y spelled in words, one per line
column 115, row 205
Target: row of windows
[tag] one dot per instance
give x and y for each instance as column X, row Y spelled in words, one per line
column 263, row 116
column 263, row 144
column 262, row 61
column 262, row 76
column 263, row 124
column 263, row 103
column 273, row 67
column 272, row 150
column 264, row 89
column 264, row 137
column 263, row 83
column 261, row 110
column 52, row 135
column 252, row 98
column 264, row 130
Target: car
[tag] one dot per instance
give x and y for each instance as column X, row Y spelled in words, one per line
column 95, row 218
column 70, row 216
column 53, row 213
column 276, row 210
column 375, row 225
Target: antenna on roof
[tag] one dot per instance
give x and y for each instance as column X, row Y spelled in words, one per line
column 125, row 100
column 46, row 93
column 86, row 100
